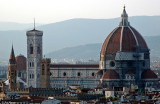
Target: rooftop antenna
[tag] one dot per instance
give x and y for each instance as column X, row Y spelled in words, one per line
column 34, row 23
column 12, row 43
column 124, row 6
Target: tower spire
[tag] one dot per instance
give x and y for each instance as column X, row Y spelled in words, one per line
column 124, row 6
column 34, row 23
column 124, row 18
column 12, row 71
column 12, row 59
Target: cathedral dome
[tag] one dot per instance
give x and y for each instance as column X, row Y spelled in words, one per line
column 21, row 62
column 123, row 38
column 148, row 74
column 110, row 74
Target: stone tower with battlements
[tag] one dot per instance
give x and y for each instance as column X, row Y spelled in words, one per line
column 34, row 54
column 45, row 73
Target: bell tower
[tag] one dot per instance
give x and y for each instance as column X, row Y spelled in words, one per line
column 12, row 71
column 34, row 54
column 45, row 73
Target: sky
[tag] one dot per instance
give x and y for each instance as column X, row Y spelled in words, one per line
column 49, row 11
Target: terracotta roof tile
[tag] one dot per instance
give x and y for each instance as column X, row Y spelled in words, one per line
column 21, row 62
column 74, row 66
column 110, row 74
column 140, row 39
column 148, row 74
column 105, row 42
column 128, row 40
column 114, row 42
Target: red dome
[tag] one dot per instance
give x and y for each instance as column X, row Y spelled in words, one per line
column 148, row 74
column 110, row 74
column 123, row 38
column 21, row 62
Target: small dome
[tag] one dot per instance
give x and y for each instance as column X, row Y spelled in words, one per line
column 21, row 62
column 110, row 74
column 148, row 74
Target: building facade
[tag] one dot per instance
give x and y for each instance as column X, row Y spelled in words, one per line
column 34, row 54
column 66, row 75
column 3, row 72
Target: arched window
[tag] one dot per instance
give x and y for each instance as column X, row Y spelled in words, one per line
column 43, row 69
column 64, row 74
column 19, row 74
column 93, row 74
column 31, row 49
column 32, row 64
column 48, row 70
column 129, row 77
column 78, row 74
column 126, row 76
column 38, row 49
column 30, row 76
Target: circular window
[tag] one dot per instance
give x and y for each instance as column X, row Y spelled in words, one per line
column 112, row 64
column 93, row 74
column 64, row 74
column 78, row 74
